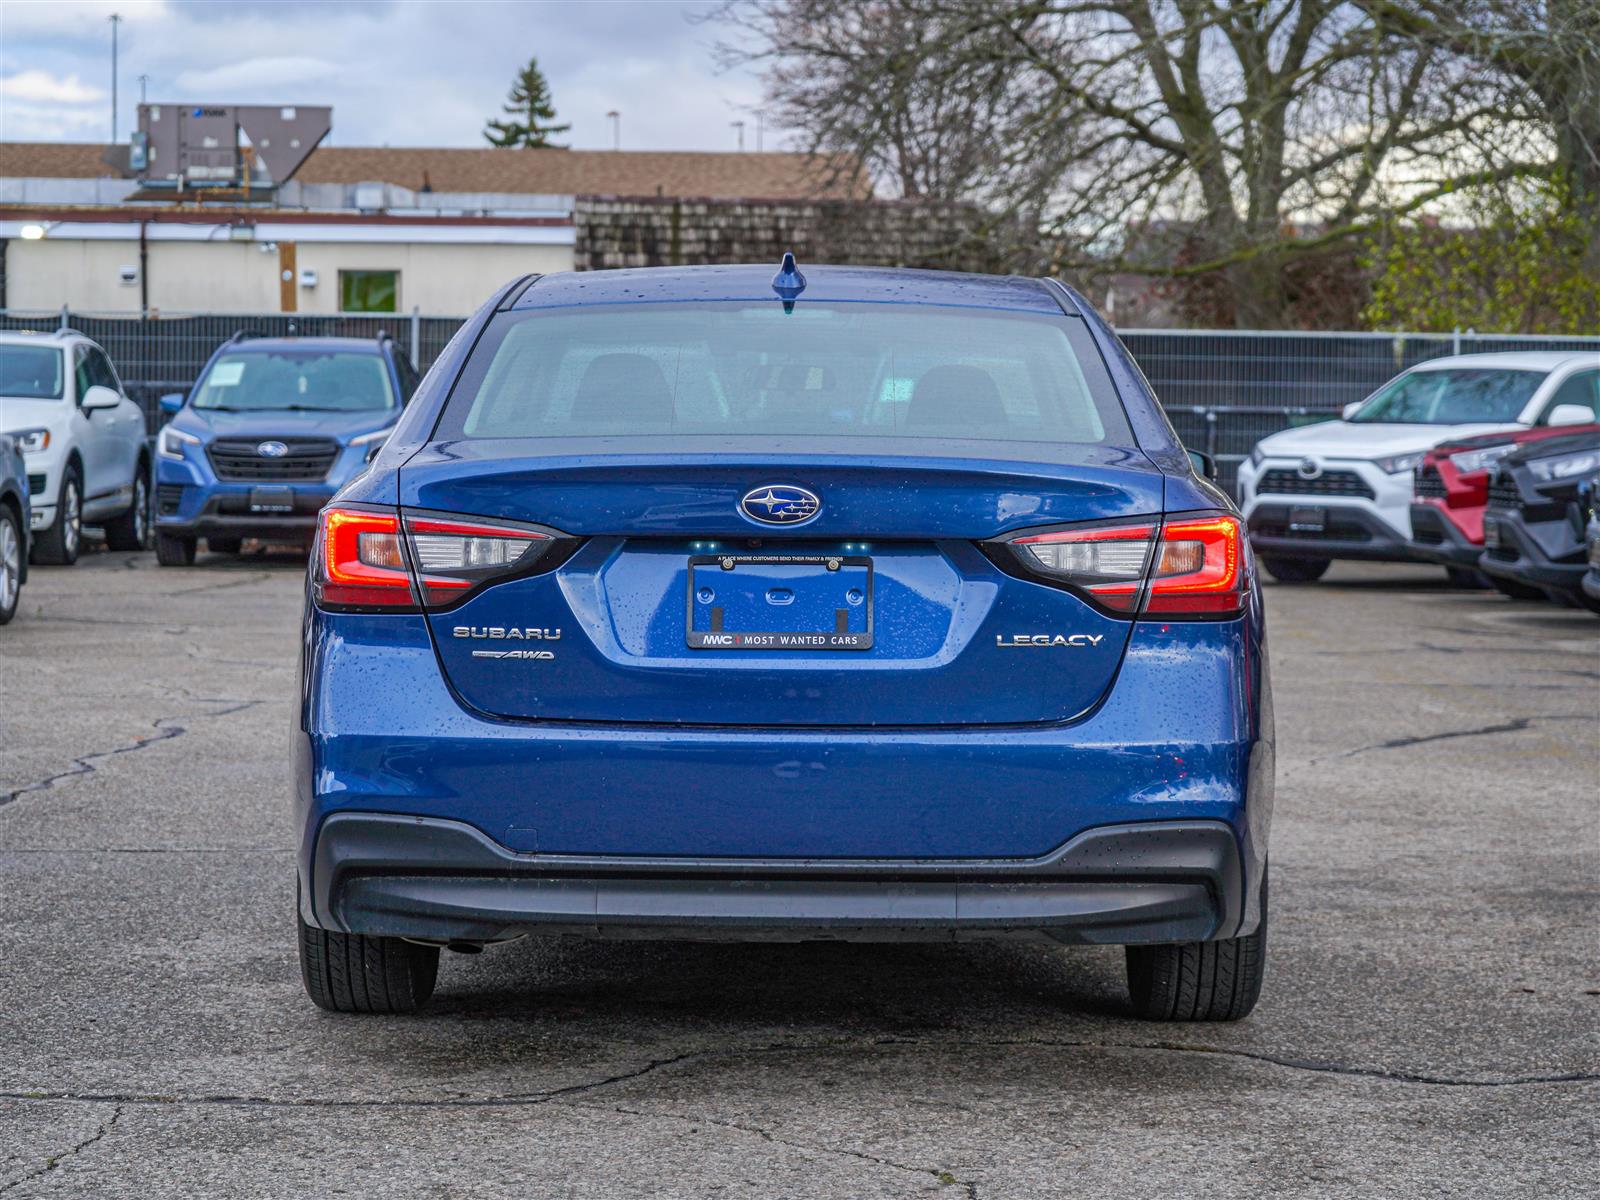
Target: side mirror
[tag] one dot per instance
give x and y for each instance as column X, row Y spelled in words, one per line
column 1204, row 465
column 1351, row 409
column 100, row 396
column 1571, row 414
column 172, row 402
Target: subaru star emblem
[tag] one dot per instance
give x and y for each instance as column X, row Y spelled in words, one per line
column 780, row 504
column 272, row 449
column 1309, row 468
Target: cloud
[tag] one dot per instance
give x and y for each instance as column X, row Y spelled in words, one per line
column 44, row 88
column 256, row 75
column 419, row 73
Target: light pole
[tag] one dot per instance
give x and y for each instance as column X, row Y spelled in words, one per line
column 739, row 129
column 143, row 81
column 115, row 19
column 616, row 129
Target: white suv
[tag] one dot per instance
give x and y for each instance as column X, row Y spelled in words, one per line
column 1342, row 489
column 83, row 442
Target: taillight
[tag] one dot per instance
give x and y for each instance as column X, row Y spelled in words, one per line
column 453, row 556
column 372, row 559
column 1185, row 567
column 1201, row 572
column 1109, row 564
column 359, row 561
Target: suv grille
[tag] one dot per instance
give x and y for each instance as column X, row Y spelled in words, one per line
column 1329, row 483
column 1430, row 484
column 238, row 461
column 1504, row 493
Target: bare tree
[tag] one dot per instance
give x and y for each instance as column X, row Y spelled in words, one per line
column 1250, row 135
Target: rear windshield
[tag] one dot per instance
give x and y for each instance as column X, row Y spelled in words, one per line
column 1460, row 396
column 30, row 372
column 826, row 369
column 295, row 381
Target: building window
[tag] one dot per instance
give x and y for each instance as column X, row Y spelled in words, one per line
column 368, row 291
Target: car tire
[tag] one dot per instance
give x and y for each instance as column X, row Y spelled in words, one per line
column 1200, row 981
column 224, row 545
column 174, row 551
column 12, row 541
column 131, row 530
column 1296, row 570
column 354, row 973
column 58, row 544
column 1515, row 590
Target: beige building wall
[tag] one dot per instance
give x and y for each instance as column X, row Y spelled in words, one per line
column 236, row 276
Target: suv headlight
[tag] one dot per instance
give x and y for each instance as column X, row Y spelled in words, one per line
column 172, row 441
column 1564, row 466
column 1469, row 461
column 373, row 440
column 32, row 440
column 1396, row 463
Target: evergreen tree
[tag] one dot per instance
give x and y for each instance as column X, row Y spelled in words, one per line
column 530, row 112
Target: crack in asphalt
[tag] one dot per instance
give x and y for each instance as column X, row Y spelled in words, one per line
column 55, row 1160
column 1517, row 725
column 938, row 1174
column 85, row 764
column 655, row 1066
column 257, row 577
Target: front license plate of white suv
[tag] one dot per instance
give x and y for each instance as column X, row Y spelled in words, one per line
column 1307, row 520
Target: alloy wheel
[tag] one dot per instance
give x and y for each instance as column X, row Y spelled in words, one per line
column 10, row 565
column 72, row 516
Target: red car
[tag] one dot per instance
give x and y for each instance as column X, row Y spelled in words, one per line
column 1451, row 492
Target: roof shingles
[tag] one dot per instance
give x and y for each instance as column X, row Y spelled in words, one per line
column 672, row 173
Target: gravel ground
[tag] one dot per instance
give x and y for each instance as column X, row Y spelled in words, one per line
column 1428, row 1027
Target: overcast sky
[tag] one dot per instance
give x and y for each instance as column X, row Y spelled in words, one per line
column 397, row 72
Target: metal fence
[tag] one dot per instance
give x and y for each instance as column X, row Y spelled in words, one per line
column 1224, row 389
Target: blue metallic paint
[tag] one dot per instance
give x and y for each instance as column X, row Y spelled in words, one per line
column 1184, row 733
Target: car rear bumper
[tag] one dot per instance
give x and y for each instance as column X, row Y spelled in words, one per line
column 442, row 880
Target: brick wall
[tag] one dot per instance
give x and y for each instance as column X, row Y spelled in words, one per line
column 648, row 232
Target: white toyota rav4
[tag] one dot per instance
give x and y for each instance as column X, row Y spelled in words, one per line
column 1342, row 489
column 83, row 442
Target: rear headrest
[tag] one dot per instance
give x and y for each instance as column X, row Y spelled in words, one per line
column 956, row 396
column 624, row 389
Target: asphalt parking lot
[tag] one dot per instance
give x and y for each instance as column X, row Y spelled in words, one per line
column 1428, row 1027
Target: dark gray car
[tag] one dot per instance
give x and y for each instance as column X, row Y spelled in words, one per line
column 14, row 522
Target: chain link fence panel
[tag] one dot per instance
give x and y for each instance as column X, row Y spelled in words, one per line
column 1224, row 390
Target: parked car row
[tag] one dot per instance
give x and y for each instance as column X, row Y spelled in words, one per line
column 1484, row 464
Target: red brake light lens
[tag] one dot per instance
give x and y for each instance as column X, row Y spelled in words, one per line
column 360, row 562
column 1187, row 567
column 1201, row 572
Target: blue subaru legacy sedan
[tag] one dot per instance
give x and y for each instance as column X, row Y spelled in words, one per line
column 272, row 428
column 844, row 604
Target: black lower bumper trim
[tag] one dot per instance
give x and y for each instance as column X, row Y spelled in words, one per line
column 441, row 880
column 1435, row 538
column 1518, row 556
column 1351, row 533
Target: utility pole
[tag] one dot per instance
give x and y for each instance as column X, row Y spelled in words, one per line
column 616, row 129
column 116, row 19
column 143, row 81
column 739, row 129
column 761, row 123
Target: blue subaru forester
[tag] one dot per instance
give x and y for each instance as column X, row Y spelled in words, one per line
column 843, row 604
column 271, row 430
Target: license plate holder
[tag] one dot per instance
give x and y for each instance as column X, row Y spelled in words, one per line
column 272, row 500
column 1308, row 519
column 779, row 602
